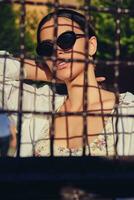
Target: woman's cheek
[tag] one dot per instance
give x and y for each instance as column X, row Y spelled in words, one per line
column 79, row 47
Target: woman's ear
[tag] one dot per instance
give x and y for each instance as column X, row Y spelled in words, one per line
column 92, row 45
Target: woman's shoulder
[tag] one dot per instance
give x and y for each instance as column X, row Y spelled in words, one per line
column 125, row 124
column 126, row 110
column 126, row 103
column 126, row 98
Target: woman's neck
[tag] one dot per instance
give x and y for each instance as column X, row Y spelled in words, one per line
column 76, row 91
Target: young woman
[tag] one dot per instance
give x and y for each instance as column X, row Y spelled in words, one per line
column 93, row 130
column 91, row 127
column 34, row 99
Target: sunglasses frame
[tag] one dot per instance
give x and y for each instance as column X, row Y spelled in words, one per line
column 50, row 44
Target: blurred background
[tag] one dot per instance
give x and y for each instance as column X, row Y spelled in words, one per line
column 104, row 24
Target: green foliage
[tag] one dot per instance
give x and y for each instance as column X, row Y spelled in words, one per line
column 10, row 33
column 105, row 29
column 104, row 24
column 127, row 38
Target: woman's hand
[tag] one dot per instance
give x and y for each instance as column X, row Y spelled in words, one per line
column 13, row 142
column 100, row 79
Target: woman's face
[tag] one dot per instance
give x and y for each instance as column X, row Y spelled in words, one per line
column 66, row 71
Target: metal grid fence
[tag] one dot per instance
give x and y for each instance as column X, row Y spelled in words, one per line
column 117, row 63
column 118, row 12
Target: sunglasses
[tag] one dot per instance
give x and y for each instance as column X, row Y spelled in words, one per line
column 65, row 41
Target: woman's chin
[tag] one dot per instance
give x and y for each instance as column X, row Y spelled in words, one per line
column 64, row 75
column 65, row 79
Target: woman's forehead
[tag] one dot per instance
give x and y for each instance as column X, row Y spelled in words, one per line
column 63, row 24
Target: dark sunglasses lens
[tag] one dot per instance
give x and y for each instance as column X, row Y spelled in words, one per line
column 45, row 49
column 66, row 40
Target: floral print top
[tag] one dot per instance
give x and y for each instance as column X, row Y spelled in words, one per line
column 105, row 143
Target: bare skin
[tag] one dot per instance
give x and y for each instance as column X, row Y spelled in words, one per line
column 13, row 142
column 99, row 101
column 42, row 72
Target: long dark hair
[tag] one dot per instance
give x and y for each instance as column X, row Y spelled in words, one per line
column 70, row 14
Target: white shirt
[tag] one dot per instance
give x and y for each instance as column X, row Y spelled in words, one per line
column 35, row 128
column 118, row 127
column 34, row 99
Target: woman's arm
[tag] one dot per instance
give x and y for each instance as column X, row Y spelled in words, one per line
column 37, row 71
column 34, row 71
column 10, row 69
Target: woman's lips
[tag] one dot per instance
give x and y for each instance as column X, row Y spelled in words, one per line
column 62, row 65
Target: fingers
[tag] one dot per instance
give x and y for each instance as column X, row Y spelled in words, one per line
column 100, row 79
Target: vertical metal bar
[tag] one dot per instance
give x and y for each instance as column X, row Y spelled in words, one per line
column 3, row 82
column 22, row 57
column 54, row 59
column 86, row 84
column 117, row 59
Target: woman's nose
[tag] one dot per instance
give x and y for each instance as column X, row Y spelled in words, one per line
column 59, row 51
